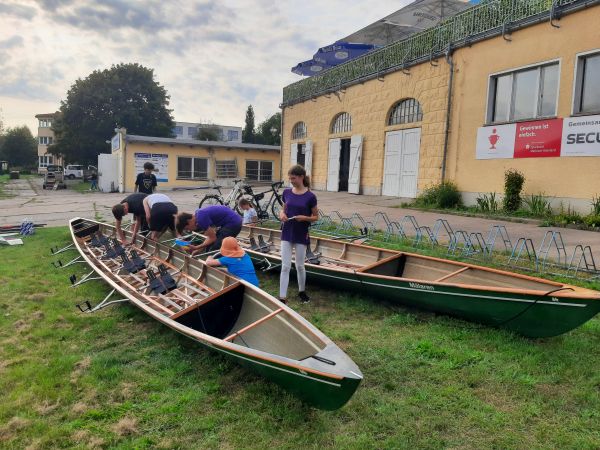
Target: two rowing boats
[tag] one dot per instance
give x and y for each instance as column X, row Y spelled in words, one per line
column 221, row 312
column 531, row 306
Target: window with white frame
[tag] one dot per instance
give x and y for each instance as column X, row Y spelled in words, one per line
column 233, row 135
column 529, row 93
column 45, row 123
column 342, row 123
column 299, row 131
column 587, row 84
column 406, row 111
column 259, row 170
column 45, row 160
column 178, row 131
column 45, row 140
column 192, row 168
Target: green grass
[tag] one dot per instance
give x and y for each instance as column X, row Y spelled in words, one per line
column 119, row 379
column 80, row 186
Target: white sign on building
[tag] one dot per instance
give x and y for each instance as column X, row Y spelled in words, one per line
column 496, row 142
column 160, row 161
column 581, row 136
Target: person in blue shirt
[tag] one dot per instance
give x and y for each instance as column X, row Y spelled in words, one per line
column 216, row 222
column 235, row 259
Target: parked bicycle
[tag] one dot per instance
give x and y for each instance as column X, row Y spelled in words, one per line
column 239, row 187
column 274, row 204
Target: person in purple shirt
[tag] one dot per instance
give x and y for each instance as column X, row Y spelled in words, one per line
column 298, row 212
column 216, row 222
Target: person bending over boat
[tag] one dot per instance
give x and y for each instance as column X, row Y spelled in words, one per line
column 133, row 204
column 216, row 222
column 160, row 214
column 298, row 212
column 235, row 259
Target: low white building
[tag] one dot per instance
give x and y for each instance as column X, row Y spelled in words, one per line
column 189, row 130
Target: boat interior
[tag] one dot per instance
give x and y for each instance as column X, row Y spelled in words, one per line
column 187, row 291
column 351, row 257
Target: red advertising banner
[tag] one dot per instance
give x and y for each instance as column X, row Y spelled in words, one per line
column 538, row 139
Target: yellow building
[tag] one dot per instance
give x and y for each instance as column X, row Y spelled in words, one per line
column 187, row 163
column 524, row 82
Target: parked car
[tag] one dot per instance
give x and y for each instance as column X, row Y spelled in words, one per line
column 74, row 171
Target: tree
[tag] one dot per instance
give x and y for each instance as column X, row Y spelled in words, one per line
column 209, row 132
column 248, row 134
column 265, row 135
column 19, row 147
column 124, row 95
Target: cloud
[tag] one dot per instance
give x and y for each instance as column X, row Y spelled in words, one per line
column 12, row 42
column 17, row 10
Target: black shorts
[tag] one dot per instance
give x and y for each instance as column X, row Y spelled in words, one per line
column 224, row 232
column 162, row 216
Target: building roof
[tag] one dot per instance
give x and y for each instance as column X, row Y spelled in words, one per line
column 197, row 143
column 44, row 115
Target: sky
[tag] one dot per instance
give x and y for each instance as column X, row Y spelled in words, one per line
column 213, row 57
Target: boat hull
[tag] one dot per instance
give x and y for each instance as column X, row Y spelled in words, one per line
column 534, row 316
column 310, row 378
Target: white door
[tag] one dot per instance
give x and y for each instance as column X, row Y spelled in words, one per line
column 409, row 164
column 108, row 172
column 355, row 158
column 401, row 163
column 333, row 166
column 308, row 157
column 391, row 163
column 294, row 155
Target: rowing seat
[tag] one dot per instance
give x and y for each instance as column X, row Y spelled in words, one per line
column 128, row 264
column 139, row 262
column 166, row 278
column 119, row 250
column 263, row 246
column 109, row 251
column 312, row 258
column 155, row 284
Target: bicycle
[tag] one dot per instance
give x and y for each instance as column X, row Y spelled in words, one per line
column 238, row 190
column 275, row 202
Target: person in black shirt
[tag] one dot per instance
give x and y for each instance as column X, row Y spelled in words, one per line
column 146, row 181
column 133, row 204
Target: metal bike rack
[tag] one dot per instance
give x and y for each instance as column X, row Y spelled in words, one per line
column 552, row 240
column 584, row 260
column 523, row 244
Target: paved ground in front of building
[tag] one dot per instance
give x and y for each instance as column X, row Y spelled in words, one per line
column 55, row 208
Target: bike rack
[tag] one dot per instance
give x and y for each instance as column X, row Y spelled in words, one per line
column 584, row 255
column 552, row 240
column 495, row 231
column 523, row 244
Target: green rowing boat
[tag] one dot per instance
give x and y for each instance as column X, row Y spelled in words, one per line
column 221, row 312
column 530, row 306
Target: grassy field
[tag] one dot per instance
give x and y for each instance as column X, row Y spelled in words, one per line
column 119, row 379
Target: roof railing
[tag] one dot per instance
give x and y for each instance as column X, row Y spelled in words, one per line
column 492, row 18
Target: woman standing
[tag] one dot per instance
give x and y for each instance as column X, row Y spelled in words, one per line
column 298, row 212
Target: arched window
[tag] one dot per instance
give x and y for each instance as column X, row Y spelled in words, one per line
column 299, row 131
column 406, row 111
column 342, row 123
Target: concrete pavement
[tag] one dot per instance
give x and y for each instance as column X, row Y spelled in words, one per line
column 55, row 208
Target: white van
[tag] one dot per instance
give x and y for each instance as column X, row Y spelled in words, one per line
column 74, row 171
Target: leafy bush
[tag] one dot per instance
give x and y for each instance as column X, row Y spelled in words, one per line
column 513, row 184
column 487, row 203
column 596, row 205
column 442, row 195
column 538, row 205
column 593, row 220
column 568, row 216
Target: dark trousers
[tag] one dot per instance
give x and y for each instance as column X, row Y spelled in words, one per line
column 224, row 232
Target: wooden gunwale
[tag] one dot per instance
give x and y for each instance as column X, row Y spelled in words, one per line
column 576, row 293
column 210, row 340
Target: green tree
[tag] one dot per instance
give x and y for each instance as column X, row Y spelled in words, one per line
column 248, row 134
column 124, row 95
column 19, row 147
column 264, row 133
column 209, row 132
